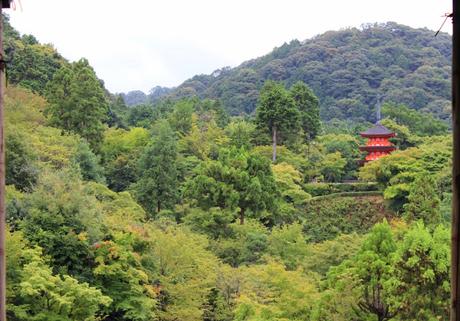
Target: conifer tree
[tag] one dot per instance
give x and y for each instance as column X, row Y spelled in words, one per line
column 308, row 105
column 423, row 201
column 77, row 102
column 276, row 112
column 157, row 188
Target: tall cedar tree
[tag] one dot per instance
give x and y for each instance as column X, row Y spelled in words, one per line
column 77, row 102
column 157, row 188
column 277, row 112
column 308, row 105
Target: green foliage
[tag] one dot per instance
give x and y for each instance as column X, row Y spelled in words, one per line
column 120, row 151
column 33, row 64
column 118, row 272
column 15, row 207
column 216, row 309
column 322, row 256
column 326, row 162
column 240, row 133
column 396, row 275
column 181, row 117
column 373, row 264
column 214, row 222
column 269, row 292
column 20, row 168
column 396, row 172
column 347, row 145
column 157, row 187
column 118, row 209
column 319, row 189
column 363, row 278
column 423, row 201
column 289, row 244
column 308, row 105
column 35, row 293
column 277, row 113
column 326, row 218
column 80, row 250
column 347, row 69
column 420, row 275
column 237, row 180
column 289, row 182
column 77, row 102
column 186, row 272
column 63, row 220
column 88, row 163
column 333, row 167
column 141, row 116
column 419, row 123
column 403, row 138
column 118, row 111
column 204, row 139
column 246, row 244
column 284, row 155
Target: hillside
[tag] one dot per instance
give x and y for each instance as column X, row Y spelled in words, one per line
column 347, row 69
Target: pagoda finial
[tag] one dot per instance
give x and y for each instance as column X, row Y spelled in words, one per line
column 379, row 108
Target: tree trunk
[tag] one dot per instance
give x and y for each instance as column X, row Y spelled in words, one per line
column 274, row 143
column 158, row 206
column 242, row 216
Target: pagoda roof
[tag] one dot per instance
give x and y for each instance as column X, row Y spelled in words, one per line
column 378, row 131
column 377, row 148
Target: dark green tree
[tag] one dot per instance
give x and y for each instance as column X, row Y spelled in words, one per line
column 276, row 112
column 423, row 201
column 369, row 271
column 419, row 283
column 215, row 308
column 420, row 123
column 237, row 180
column 63, row 220
column 157, row 188
column 308, row 105
column 77, row 102
column 181, row 117
column 118, row 112
column 20, row 169
column 89, row 163
column 141, row 115
column 120, row 173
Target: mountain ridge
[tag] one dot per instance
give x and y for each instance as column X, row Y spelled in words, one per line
column 348, row 69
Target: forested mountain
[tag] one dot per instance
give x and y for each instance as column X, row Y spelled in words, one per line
column 347, row 69
column 30, row 64
column 175, row 210
column 137, row 97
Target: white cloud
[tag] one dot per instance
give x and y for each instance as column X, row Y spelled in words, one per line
column 164, row 42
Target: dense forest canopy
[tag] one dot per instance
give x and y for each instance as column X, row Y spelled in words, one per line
column 350, row 70
column 174, row 209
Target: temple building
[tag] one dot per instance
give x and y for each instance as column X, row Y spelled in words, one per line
column 378, row 144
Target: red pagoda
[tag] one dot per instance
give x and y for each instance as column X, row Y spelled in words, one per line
column 378, row 144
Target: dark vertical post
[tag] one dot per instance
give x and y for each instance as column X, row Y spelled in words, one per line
column 2, row 185
column 455, row 307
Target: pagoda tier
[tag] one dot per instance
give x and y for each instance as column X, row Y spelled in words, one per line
column 378, row 144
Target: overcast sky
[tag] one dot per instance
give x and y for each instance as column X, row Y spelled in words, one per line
column 138, row 44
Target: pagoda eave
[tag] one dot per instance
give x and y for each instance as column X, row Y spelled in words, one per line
column 377, row 148
column 378, row 135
